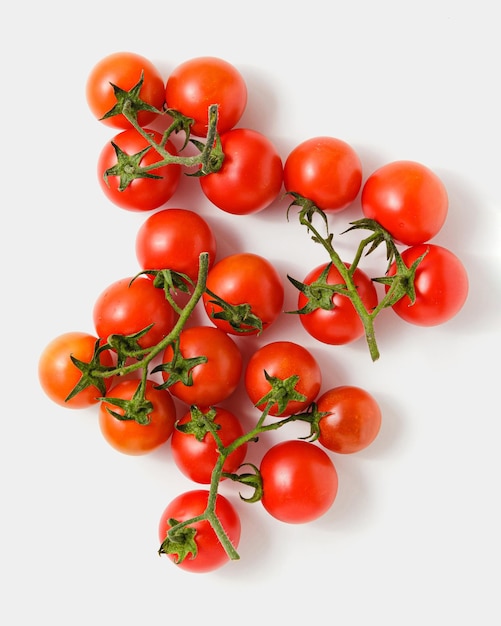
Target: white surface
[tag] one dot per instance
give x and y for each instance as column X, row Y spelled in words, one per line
column 413, row 537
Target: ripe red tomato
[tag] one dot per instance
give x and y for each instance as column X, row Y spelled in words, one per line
column 58, row 375
column 407, row 199
column 129, row 436
column 326, row 170
column 244, row 278
column 283, row 359
column 125, row 308
column 198, row 83
column 341, row 324
column 300, row 481
column 123, row 69
column 251, row 176
column 217, row 378
column 141, row 194
column 174, row 239
column 195, row 451
column 210, row 553
column 441, row 286
column 353, row 420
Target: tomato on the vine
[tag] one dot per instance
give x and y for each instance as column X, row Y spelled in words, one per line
column 194, row 447
column 340, row 324
column 150, row 190
column 408, row 199
column 251, row 176
column 299, row 481
column 284, row 361
column 129, row 436
column 244, row 278
column 206, row 553
column 128, row 306
column 207, row 383
column 325, row 170
column 441, row 286
column 194, row 85
column 173, row 239
column 353, row 419
column 123, row 69
column 58, row 375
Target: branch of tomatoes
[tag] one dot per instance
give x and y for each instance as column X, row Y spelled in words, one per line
column 319, row 294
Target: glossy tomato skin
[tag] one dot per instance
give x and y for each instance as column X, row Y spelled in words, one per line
column 251, row 176
column 197, row 458
column 142, row 194
column 128, row 436
column 245, row 278
column 441, row 285
column 197, row 83
column 300, row 482
column 353, row 419
column 126, row 307
column 123, row 69
column 211, row 554
column 283, row 359
column 407, row 199
column 174, row 239
column 340, row 325
column 326, row 170
column 58, row 375
column 215, row 380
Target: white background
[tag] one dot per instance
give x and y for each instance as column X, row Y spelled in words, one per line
column 413, row 537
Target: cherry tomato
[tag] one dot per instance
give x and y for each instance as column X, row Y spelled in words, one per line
column 210, row 553
column 198, row 83
column 353, row 420
column 441, row 286
column 300, row 481
column 282, row 360
column 251, row 176
column 194, row 450
column 326, row 170
column 407, row 199
column 129, row 436
column 141, row 194
column 58, row 375
column 174, row 239
column 341, row 324
column 244, row 278
column 217, row 378
column 125, row 308
column 123, row 69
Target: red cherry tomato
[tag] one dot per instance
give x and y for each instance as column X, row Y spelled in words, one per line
column 407, row 199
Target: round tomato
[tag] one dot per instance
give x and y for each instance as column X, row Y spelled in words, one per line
column 283, row 360
column 341, row 324
column 129, row 436
column 212, row 381
column 125, row 308
column 440, row 283
column 58, row 375
column 174, row 239
column 300, row 481
column 325, row 170
column 196, row 84
column 251, row 176
column 407, row 199
column 244, row 279
column 207, row 553
column 142, row 193
column 194, row 448
column 353, row 419
column 123, row 69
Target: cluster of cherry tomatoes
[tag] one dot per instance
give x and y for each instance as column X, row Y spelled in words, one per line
column 147, row 357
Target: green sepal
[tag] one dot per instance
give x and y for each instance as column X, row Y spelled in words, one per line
column 180, row 542
column 137, row 409
column 128, row 167
column 91, row 372
column 282, row 392
column 127, row 346
column 179, row 369
column 251, row 479
column 200, row 423
column 319, row 294
column 129, row 102
column 402, row 283
column 239, row 316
